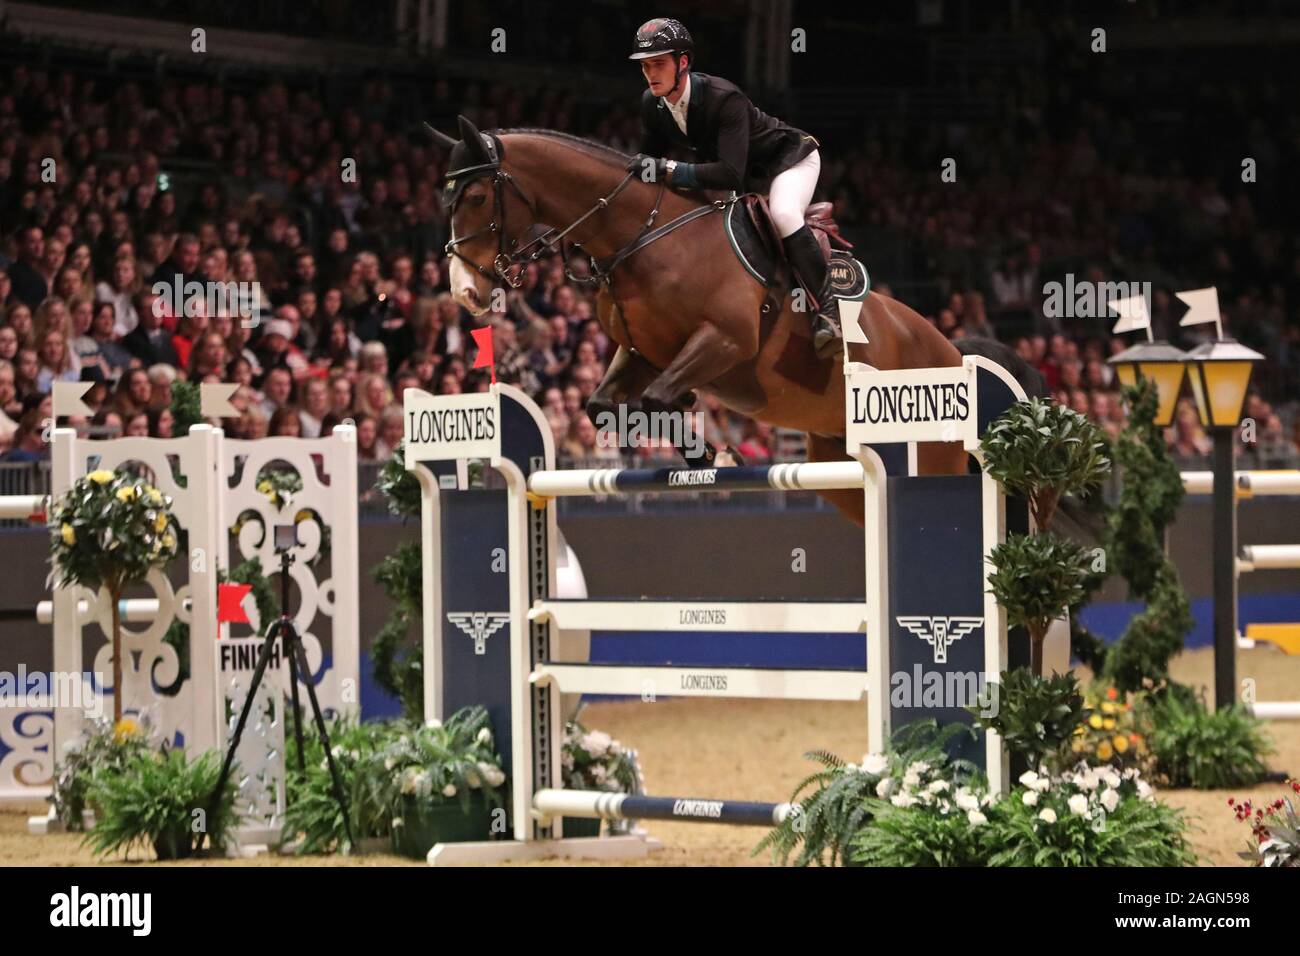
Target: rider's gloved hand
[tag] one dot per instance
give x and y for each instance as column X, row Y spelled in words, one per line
column 640, row 163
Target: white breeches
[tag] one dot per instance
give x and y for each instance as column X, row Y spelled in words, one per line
column 792, row 191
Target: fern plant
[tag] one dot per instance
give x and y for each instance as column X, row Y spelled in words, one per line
column 833, row 804
column 1203, row 749
column 162, row 800
column 312, row 813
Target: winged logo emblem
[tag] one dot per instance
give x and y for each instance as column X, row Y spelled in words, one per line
column 940, row 632
column 479, row 625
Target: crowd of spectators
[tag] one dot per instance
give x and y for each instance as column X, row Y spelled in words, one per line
column 354, row 306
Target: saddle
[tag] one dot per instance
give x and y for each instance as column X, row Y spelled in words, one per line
column 757, row 245
column 818, row 217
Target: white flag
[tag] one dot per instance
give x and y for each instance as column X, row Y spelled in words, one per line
column 1132, row 312
column 850, row 309
column 67, row 399
column 214, row 399
column 1202, row 306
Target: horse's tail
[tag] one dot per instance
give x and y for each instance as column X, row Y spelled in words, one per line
column 1030, row 379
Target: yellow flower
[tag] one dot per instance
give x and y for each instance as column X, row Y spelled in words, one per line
column 125, row 494
column 1108, row 723
column 168, row 541
column 69, row 534
column 264, row 486
column 1080, row 730
column 101, row 477
column 1104, row 751
column 125, row 728
column 155, row 496
column 1077, row 746
column 1095, row 721
column 1121, row 743
column 160, row 525
column 1107, row 707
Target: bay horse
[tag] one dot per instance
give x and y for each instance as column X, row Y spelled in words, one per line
column 684, row 311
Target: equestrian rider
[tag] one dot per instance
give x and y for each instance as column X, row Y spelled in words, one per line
column 737, row 147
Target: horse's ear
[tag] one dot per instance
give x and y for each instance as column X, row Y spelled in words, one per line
column 476, row 152
column 439, row 137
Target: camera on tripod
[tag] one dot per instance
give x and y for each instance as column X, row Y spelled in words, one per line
column 285, row 538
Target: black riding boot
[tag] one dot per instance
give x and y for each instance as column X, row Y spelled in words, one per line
column 810, row 269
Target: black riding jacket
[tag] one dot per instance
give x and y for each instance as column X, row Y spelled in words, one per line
column 731, row 143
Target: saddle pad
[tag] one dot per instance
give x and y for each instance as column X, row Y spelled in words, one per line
column 849, row 278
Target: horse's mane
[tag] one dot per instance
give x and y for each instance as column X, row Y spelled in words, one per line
column 589, row 147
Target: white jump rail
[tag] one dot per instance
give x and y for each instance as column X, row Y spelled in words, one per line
column 23, row 507
column 1258, row 557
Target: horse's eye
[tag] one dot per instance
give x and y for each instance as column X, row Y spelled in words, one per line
column 478, row 200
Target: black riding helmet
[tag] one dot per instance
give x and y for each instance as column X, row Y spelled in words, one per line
column 664, row 35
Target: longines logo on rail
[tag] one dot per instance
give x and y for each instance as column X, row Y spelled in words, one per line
column 689, row 479
column 480, row 625
column 714, row 682
column 702, row 615
column 906, row 404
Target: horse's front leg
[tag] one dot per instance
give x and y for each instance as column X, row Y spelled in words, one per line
column 624, row 383
column 707, row 355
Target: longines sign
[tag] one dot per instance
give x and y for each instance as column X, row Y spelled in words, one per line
column 441, row 427
column 924, row 405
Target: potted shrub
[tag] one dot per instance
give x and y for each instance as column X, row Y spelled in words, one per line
column 442, row 782
column 109, row 530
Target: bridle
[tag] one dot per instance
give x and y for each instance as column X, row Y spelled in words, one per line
column 511, row 258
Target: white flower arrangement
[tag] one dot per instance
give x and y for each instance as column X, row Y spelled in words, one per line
column 875, row 764
column 1092, row 793
column 593, row 760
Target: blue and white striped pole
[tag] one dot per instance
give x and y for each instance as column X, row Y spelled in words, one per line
column 800, row 476
column 623, row 806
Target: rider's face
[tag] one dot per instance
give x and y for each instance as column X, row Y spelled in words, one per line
column 658, row 72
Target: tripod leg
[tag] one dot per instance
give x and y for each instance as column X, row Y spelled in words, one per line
column 292, row 639
column 297, row 709
column 262, row 658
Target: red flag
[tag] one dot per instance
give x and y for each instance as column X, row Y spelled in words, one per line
column 483, row 339
column 230, row 599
